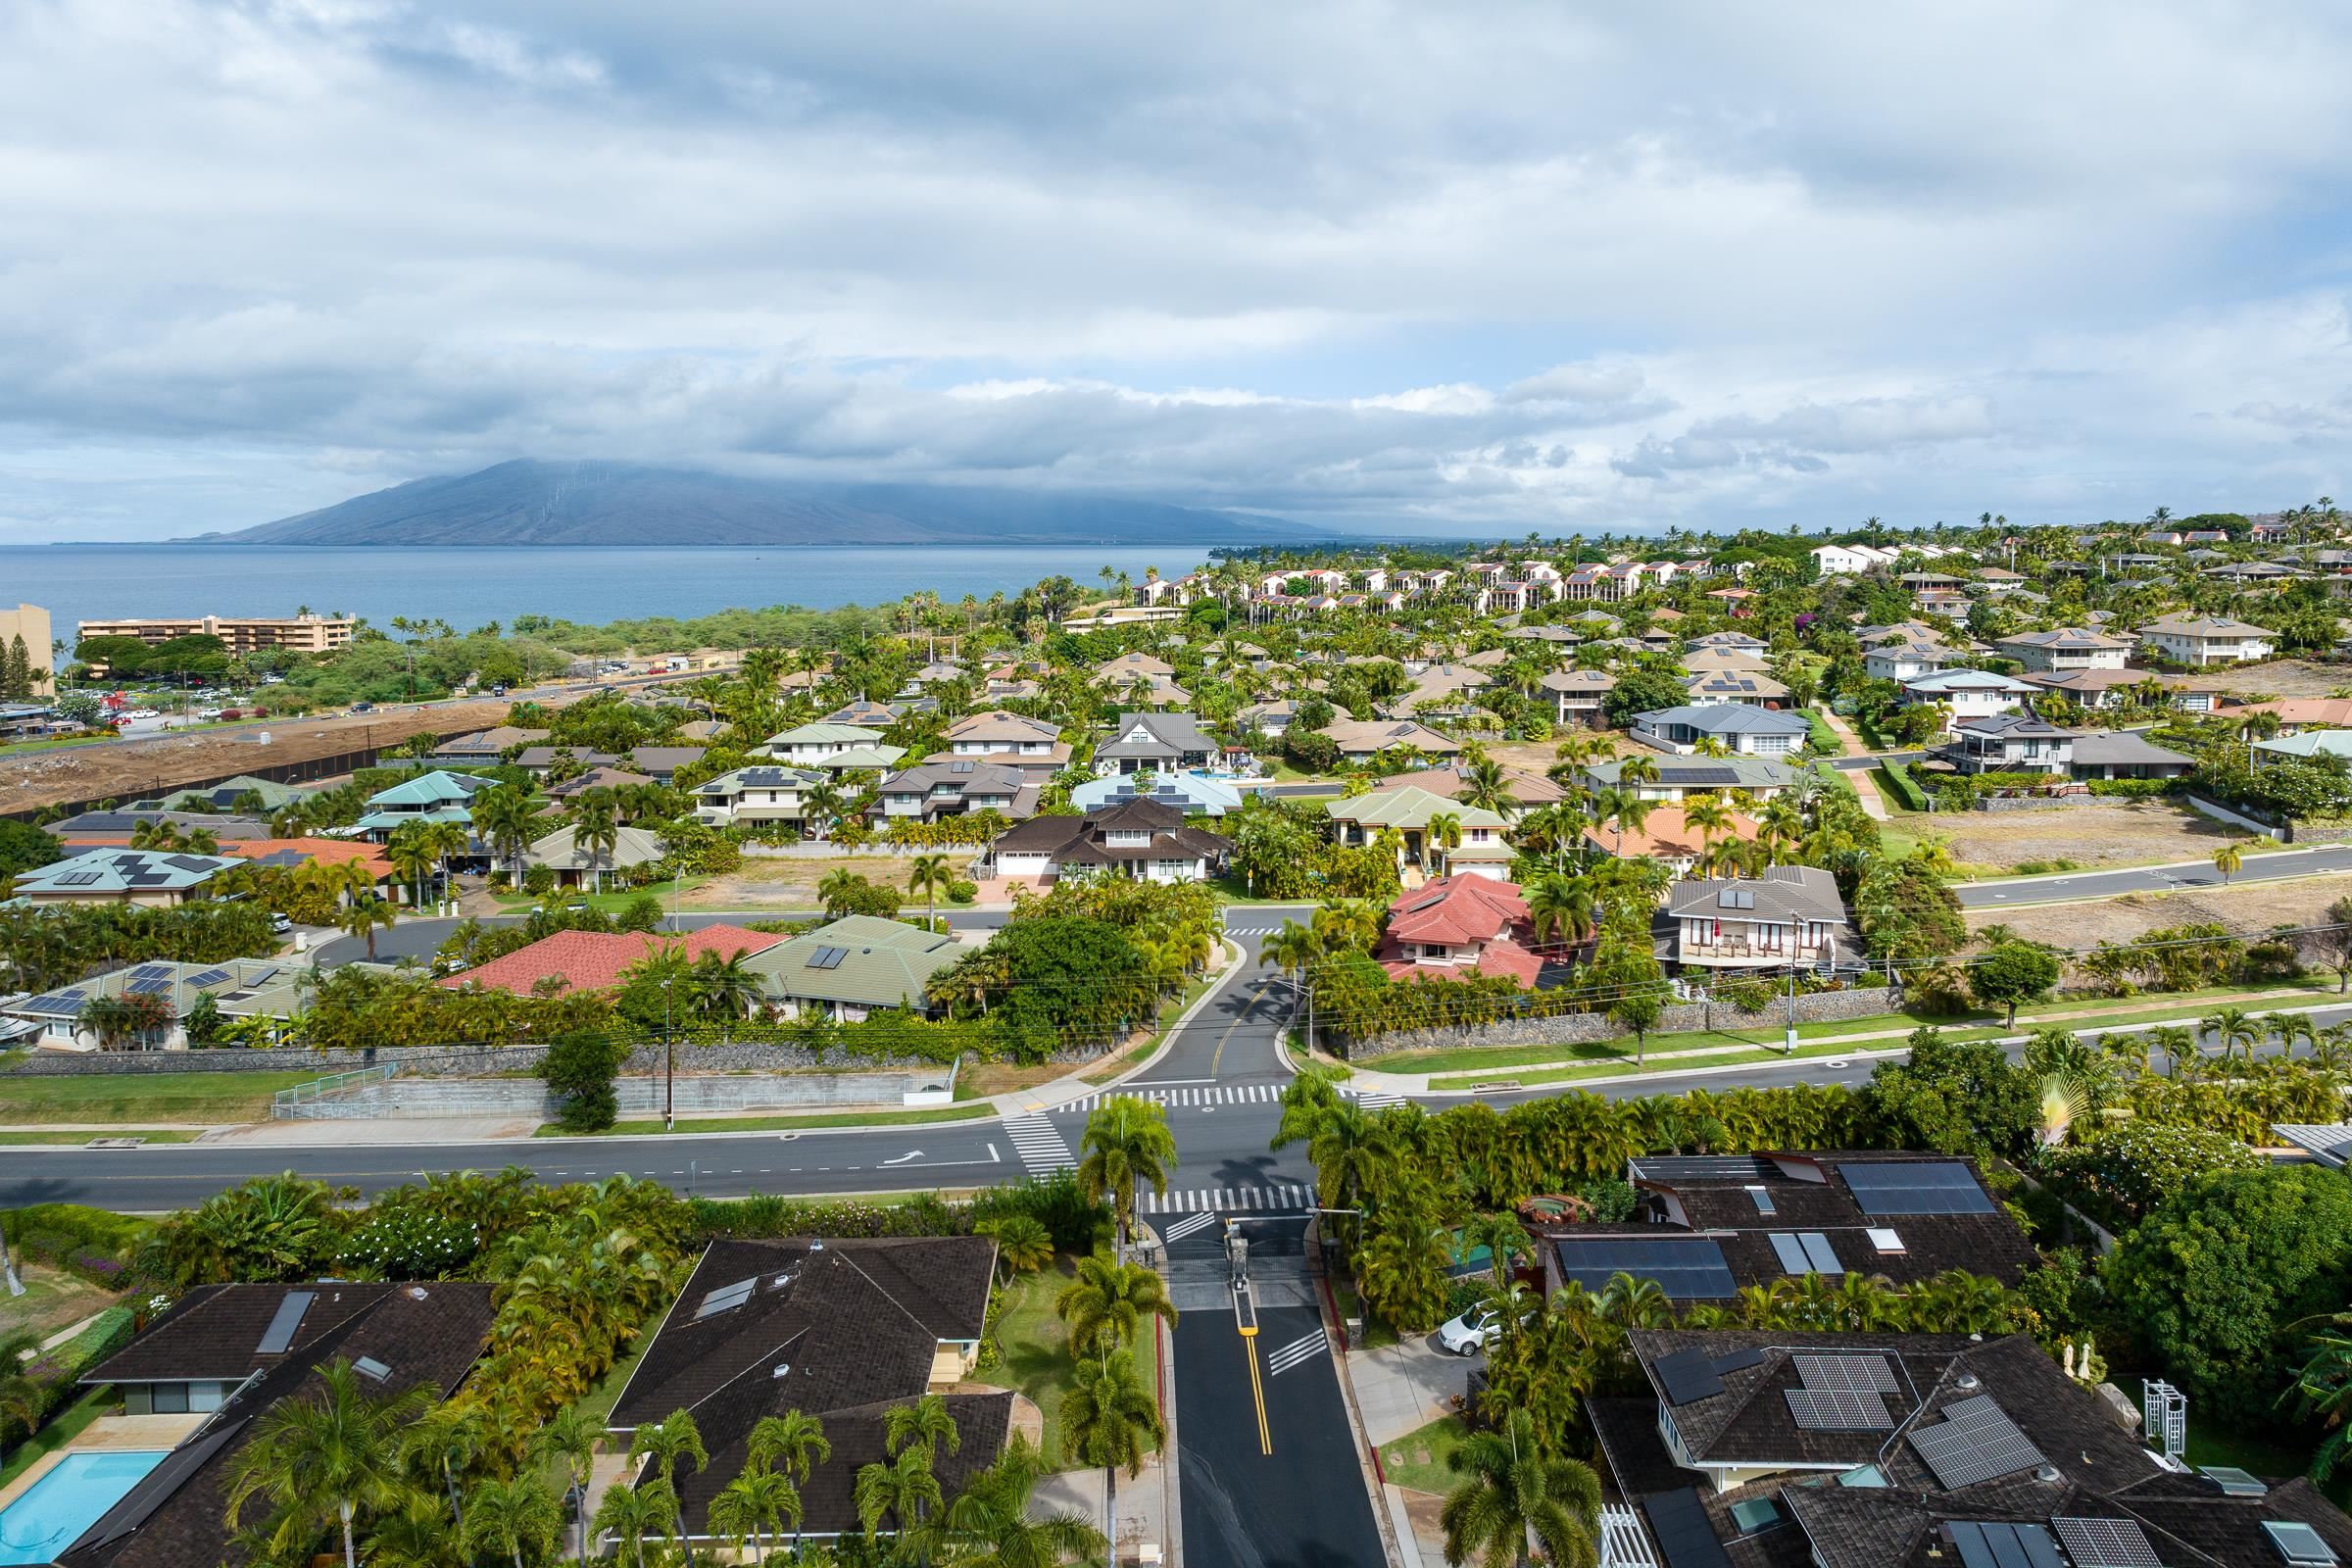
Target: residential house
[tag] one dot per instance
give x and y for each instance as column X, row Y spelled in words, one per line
column 1722, row 686
column 2294, row 715
column 1450, row 927
column 751, row 795
column 230, row 1356
column 1015, row 739
column 661, row 762
column 596, row 778
column 1968, row 693
column 1667, row 837
column 2009, row 743
column 1738, row 642
column 1440, row 691
column 1789, row 915
column 599, row 960
column 1408, row 813
column 1844, row 561
column 1578, row 695
column 1362, row 740
column 92, row 830
column 841, row 1330
column 2125, row 754
column 1902, row 658
column 1143, row 840
column 435, row 797
column 2199, row 641
column 1679, row 777
column 145, row 878
column 806, row 745
column 576, row 866
column 1192, row 794
column 240, row 988
column 1723, row 657
column 260, row 795
column 1527, row 789
column 1155, row 743
column 1276, row 718
column 1741, row 729
column 2064, row 650
column 853, row 967
column 1122, row 672
column 2308, row 745
column 1868, row 1450
column 953, row 788
column 286, row 853
column 2096, row 689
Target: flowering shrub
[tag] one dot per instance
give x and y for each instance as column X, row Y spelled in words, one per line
column 410, row 1244
column 2123, row 1172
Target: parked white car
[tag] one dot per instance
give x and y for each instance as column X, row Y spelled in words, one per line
column 1472, row 1331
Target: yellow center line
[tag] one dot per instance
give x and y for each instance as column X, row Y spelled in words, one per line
column 1218, row 1054
column 1258, row 1391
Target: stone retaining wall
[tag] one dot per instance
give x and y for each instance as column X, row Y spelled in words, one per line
column 1588, row 1028
column 429, row 1061
column 639, row 1096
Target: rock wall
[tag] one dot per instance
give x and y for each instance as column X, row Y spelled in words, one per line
column 1394, row 1052
column 638, row 1096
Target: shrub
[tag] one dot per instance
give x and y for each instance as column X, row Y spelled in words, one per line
column 2123, row 1172
column 2132, row 789
column 579, row 1068
column 58, row 1233
column 961, row 892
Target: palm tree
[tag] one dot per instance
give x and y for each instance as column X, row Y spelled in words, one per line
column 665, row 1442
column 927, row 877
column 1023, row 1244
column 1560, row 909
column 570, row 1440
column 1444, row 832
column 504, row 815
column 1109, row 1419
column 791, row 1445
column 1511, row 1491
column 24, row 1399
column 992, row 1524
column 824, row 798
column 1485, row 786
column 1126, row 1144
column 756, row 1500
column 2227, row 859
column 724, row 985
column 595, row 830
column 1107, row 1302
column 902, row 1491
column 411, row 857
column 515, row 1518
column 922, row 1424
column 1293, row 949
column 2231, row 1027
column 329, row 1452
column 364, row 918
column 632, row 1514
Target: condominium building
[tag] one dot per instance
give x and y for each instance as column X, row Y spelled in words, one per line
column 241, row 634
column 31, row 622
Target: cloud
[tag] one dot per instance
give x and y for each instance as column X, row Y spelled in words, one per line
column 1491, row 267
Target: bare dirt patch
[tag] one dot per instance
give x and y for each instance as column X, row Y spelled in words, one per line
column 2282, row 678
column 2125, row 833
column 2249, row 908
column 53, row 1299
column 791, row 883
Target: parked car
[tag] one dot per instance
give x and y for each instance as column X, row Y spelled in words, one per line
column 362, row 707
column 281, row 924
column 1472, row 1331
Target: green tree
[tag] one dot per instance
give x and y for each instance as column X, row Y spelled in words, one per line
column 365, row 918
column 2011, row 973
column 1107, row 1302
column 791, row 1445
column 665, row 1442
column 517, row 1519
column 754, row 1505
column 2210, row 1281
column 579, row 1069
column 1513, row 1492
column 2228, row 858
column 1126, row 1146
column 927, row 877
column 993, row 1525
column 1637, row 1012
column 635, row 1514
column 569, row 1441
column 1023, row 1244
column 326, row 1456
column 1957, row 1096
column 1108, row 1419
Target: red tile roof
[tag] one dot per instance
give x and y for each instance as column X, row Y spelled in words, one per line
column 1504, row 957
column 1666, row 834
column 1456, row 909
column 333, row 852
column 593, row 960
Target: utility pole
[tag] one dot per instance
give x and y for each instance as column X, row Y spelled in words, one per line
column 670, row 1064
column 1790, row 1046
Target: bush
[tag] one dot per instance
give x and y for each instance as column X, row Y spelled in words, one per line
column 92, row 1244
column 1904, row 787
column 2134, row 789
column 539, row 881
column 579, row 1068
column 2121, row 1173
column 961, row 892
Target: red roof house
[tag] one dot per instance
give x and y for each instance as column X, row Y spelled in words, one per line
column 1446, row 926
column 593, row 960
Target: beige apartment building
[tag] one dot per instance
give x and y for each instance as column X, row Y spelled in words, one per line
column 241, row 634
column 31, row 622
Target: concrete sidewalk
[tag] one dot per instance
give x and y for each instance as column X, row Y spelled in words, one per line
column 1404, row 1387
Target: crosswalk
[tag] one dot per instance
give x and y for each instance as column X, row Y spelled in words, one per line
column 1041, row 1146
column 1184, row 1227
column 1258, row 927
column 1207, row 1095
column 1284, row 1196
column 1297, row 1354
column 1373, row 1101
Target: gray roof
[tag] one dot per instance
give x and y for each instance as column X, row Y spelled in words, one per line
column 1729, row 718
column 2123, row 746
column 1170, row 733
column 859, row 960
column 1704, row 773
column 1782, row 892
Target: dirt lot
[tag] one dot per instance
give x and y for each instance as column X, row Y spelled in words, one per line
column 132, row 769
column 2246, row 909
column 791, row 883
column 2119, row 834
column 2283, row 677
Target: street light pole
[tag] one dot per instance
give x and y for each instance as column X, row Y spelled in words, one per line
column 1790, row 1043
column 670, row 1064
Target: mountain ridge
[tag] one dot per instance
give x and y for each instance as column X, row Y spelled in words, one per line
column 527, row 501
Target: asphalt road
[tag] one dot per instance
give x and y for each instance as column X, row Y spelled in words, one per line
column 2272, row 866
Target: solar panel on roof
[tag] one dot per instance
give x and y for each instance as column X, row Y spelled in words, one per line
column 1688, row 1376
column 2106, row 1543
column 1975, row 1441
column 1818, row 1252
column 1855, row 1373
column 828, row 958
column 1743, row 1168
column 1915, row 1187
column 2001, row 1543
column 151, row 971
column 1839, row 1410
column 80, row 879
column 63, row 1005
column 147, row 987
column 725, row 1298
column 188, row 862
column 279, row 1335
column 1791, row 1255
column 1686, row 1269
column 1739, row 1360
column 262, row 977
column 209, row 977
column 1677, row 1522
column 2298, row 1543
column 2233, row 1482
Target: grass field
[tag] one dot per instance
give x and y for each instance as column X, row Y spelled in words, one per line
column 610, row 903
column 1417, row 1461
column 70, row 1424
column 53, row 1299
column 198, row 1096
column 1037, row 1351
column 792, row 1123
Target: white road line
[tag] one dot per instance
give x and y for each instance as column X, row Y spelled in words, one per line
column 1297, row 1354
column 1186, row 1226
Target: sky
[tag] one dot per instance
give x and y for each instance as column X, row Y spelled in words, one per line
column 1468, row 269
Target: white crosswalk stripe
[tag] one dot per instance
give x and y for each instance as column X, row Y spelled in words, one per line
column 1371, row 1102
column 1186, row 1225
column 1040, row 1146
column 1276, row 1198
column 1193, row 1096
column 1297, row 1354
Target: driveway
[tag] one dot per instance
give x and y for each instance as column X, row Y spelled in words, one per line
column 1403, row 1387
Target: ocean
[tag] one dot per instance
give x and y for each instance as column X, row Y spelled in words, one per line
column 467, row 588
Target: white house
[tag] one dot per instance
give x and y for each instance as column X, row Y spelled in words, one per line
column 2201, row 640
column 1969, row 693
column 1743, row 730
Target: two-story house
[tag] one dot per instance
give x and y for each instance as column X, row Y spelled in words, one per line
column 1577, row 695
column 1410, row 812
column 2067, row 648
column 1155, row 743
column 1968, row 693
column 2009, row 743
column 1790, row 915
column 434, row 797
column 1449, row 927
column 1033, row 745
column 2198, row 641
column 953, row 788
column 756, row 794
column 1741, row 729
column 1144, row 840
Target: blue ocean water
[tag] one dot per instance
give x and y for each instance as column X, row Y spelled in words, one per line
column 467, row 588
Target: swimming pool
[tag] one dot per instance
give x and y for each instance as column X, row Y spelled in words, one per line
column 77, row 1490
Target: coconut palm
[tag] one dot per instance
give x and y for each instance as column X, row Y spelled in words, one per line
column 927, row 877
column 1126, row 1144
column 992, row 1524
column 1443, row 833
column 2227, row 859
column 515, row 1518
column 1560, row 909
column 1107, row 1302
column 1486, row 787
column 1023, row 1244
column 1513, row 1491
column 596, row 830
column 326, row 1455
column 923, row 1424
column 365, row 918
column 902, row 1491
column 2231, row 1027
column 1108, row 1419
column 791, row 1445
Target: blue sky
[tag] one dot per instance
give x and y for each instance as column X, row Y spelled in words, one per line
column 1469, row 269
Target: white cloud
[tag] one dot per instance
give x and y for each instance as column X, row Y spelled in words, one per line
column 1496, row 265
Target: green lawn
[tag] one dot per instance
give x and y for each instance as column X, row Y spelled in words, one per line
column 69, row 1424
column 1037, row 1351
column 153, row 1135
column 610, row 903
column 1417, row 1461
column 200, row 1096
column 790, row 1123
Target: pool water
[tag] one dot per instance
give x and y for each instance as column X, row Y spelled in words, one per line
column 73, row 1497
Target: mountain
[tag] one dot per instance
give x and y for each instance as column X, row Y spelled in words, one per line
column 527, row 503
